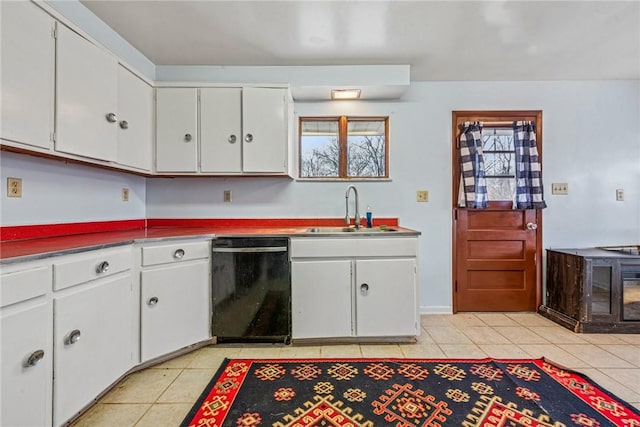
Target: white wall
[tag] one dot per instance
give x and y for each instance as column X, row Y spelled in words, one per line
column 56, row 192
column 591, row 140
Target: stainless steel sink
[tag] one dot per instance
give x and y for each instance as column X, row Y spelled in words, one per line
column 349, row 230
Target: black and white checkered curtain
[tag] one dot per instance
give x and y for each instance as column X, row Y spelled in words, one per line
column 473, row 188
column 529, row 194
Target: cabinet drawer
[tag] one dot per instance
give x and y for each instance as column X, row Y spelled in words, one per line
column 73, row 270
column 175, row 252
column 24, row 285
column 312, row 247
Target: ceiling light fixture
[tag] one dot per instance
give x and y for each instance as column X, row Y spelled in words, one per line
column 345, row 94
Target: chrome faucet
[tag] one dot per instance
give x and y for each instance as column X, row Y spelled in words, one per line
column 357, row 217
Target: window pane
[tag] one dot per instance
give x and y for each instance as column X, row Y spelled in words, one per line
column 601, row 290
column 499, row 164
column 497, row 139
column 319, row 149
column 366, row 148
column 631, row 295
column 501, row 189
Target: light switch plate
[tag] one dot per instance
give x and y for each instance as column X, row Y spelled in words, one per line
column 560, row 188
column 422, row 196
column 226, row 196
column 620, row 195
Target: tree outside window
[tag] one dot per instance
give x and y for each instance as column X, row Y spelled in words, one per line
column 344, row 147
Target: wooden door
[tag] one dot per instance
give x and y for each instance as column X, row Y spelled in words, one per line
column 496, row 251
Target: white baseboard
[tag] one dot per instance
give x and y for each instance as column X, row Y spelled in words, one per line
column 436, row 309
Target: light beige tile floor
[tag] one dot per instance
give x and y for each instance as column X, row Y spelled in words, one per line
column 162, row 395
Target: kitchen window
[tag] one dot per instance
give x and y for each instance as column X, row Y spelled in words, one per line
column 499, row 162
column 344, row 147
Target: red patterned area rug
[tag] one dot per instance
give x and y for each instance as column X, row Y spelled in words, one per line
column 405, row 393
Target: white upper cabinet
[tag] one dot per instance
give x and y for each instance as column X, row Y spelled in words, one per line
column 27, row 49
column 177, row 130
column 264, row 123
column 244, row 130
column 135, row 121
column 86, row 98
column 221, row 129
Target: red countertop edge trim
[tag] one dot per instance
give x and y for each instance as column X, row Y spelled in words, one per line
column 25, row 232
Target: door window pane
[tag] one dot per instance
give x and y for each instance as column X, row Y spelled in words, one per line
column 499, row 163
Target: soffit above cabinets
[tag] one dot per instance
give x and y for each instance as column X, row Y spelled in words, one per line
column 439, row 40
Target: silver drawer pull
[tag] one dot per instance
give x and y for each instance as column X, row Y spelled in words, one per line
column 152, row 301
column 103, row 267
column 248, row 137
column 124, row 124
column 73, row 337
column 364, row 288
column 34, row 358
column 178, row 254
column 232, row 139
column 187, row 137
column 111, row 117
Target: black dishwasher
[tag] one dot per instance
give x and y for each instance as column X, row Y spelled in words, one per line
column 251, row 290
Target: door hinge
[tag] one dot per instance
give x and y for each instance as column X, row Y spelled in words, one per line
column 535, row 259
column 52, row 137
column 455, row 214
column 54, row 31
column 455, row 286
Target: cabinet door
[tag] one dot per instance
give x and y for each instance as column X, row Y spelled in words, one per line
column 220, row 130
column 102, row 315
column 264, row 123
column 135, row 120
column 86, row 93
column 27, row 49
column 386, row 298
column 321, row 299
column 26, row 387
column 176, row 130
column 175, row 308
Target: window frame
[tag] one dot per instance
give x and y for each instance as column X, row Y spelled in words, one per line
column 343, row 124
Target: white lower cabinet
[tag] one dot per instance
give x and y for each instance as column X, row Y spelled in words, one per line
column 354, row 287
column 175, row 297
column 92, row 341
column 26, row 347
column 26, row 367
column 385, row 297
column 321, row 299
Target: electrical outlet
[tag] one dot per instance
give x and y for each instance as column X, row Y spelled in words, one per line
column 620, row 195
column 14, row 187
column 125, row 194
column 560, row 188
column 227, row 196
column 422, row 196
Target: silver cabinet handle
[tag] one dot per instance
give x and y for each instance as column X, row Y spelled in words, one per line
column 152, row 301
column 248, row 137
column 187, row 137
column 124, row 124
column 232, row 139
column 178, row 254
column 34, row 358
column 364, row 288
column 532, row 226
column 103, row 267
column 73, row 337
column 111, row 117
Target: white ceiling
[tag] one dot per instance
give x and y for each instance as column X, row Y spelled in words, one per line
column 440, row 40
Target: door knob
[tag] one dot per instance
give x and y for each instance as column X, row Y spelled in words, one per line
column 232, row 139
column 124, row 124
column 103, row 267
column 187, row 137
column 73, row 337
column 153, row 301
column 248, row 137
column 532, row 226
column 112, row 118
column 34, row 358
column 364, row 288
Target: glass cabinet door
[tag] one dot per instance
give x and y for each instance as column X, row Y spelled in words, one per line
column 631, row 294
column 601, row 290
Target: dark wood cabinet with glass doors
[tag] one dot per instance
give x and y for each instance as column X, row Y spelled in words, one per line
column 594, row 289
